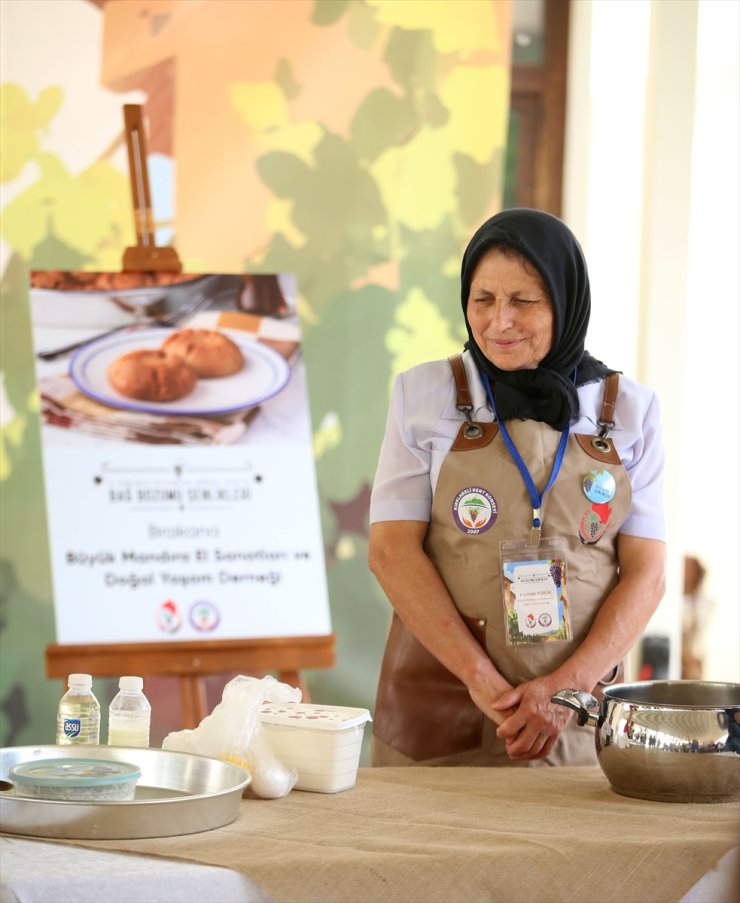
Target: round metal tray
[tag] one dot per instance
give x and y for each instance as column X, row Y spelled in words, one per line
column 177, row 793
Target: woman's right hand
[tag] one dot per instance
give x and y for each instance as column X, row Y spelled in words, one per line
column 421, row 600
column 486, row 696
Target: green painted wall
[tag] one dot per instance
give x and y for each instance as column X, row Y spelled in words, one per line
column 368, row 197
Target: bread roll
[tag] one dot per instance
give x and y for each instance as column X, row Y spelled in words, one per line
column 151, row 375
column 210, row 353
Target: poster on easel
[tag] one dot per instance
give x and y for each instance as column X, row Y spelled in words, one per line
column 180, row 484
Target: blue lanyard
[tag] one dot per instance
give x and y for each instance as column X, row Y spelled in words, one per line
column 535, row 497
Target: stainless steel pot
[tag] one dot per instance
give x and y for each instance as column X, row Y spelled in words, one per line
column 669, row 740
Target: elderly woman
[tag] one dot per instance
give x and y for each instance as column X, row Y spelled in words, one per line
column 516, row 517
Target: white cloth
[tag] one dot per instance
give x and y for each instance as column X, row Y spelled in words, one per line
column 37, row 872
column 719, row 885
column 423, row 421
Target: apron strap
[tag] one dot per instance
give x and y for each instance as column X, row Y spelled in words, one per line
column 611, row 388
column 608, row 406
column 601, row 447
column 461, row 381
column 472, row 434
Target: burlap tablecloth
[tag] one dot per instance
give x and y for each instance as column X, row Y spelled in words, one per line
column 420, row 835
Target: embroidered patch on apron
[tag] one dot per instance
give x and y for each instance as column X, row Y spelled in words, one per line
column 474, row 510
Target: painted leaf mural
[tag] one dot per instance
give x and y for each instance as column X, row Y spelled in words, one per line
column 356, row 143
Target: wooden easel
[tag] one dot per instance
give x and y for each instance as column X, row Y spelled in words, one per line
column 144, row 255
column 190, row 662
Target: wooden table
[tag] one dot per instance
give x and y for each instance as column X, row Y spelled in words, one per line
column 420, row 835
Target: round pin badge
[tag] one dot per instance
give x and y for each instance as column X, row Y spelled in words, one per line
column 599, row 486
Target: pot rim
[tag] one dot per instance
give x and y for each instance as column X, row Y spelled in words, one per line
column 718, row 694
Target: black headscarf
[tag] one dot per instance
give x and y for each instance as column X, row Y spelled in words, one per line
column 546, row 393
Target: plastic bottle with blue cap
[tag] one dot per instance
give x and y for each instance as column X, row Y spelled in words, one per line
column 78, row 715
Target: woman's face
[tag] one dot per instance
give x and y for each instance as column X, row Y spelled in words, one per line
column 509, row 312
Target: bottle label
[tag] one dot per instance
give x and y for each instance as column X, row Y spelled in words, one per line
column 72, row 727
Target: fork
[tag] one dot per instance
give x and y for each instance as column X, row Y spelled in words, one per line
column 196, row 305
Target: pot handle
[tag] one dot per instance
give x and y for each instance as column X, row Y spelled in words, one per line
column 583, row 704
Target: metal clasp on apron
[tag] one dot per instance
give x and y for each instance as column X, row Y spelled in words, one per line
column 471, row 430
column 600, row 442
column 606, row 421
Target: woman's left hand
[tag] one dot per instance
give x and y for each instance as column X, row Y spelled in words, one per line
column 533, row 728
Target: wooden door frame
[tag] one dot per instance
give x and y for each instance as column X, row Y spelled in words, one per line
column 538, row 94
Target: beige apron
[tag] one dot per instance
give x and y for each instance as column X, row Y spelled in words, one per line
column 423, row 712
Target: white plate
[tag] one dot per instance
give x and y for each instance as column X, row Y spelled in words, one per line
column 264, row 374
column 96, row 308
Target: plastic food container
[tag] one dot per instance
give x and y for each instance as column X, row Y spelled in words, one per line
column 323, row 742
column 91, row 780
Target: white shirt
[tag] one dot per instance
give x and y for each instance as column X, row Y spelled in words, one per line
column 423, row 421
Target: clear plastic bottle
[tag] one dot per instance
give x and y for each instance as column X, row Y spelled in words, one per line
column 78, row 716
column 129, row 714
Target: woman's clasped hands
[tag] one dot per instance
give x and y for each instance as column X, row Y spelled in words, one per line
column 531, row 724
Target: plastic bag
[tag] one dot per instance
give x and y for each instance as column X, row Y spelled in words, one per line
column 233, row 732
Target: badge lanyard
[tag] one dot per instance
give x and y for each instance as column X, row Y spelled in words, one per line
column 535, row 497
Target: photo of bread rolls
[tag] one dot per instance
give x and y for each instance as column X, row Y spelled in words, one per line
column 208, row 352
column 151, row 375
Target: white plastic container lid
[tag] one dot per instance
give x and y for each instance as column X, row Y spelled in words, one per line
column 314, row 717
column 74, row 773
column 79, row 680
column 131, row 683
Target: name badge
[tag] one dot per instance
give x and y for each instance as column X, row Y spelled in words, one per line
column 535, row 594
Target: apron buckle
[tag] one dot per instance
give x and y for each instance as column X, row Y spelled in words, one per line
column 600, row 442
column 471, row 430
